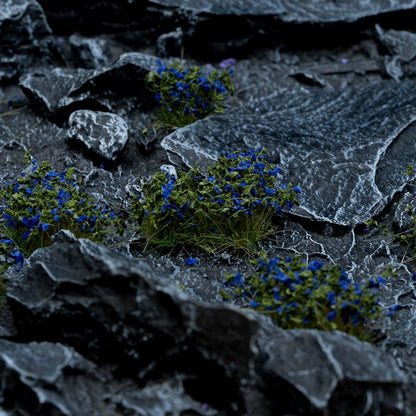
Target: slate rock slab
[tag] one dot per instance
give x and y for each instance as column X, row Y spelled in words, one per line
column 48, row 378
column 330, row 143
column 325, row 366
column 103, row 133
column 299, row 11
column 26, row 39
column 116, row 312
column 60, row 91
column 401, row 46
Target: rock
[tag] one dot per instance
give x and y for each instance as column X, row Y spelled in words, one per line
column 27, row 40
column 105, row 134
column 119, row 85
column 320, row 367
column 297, row 11
column 170, row 44
column 401, row 47
column 90, row 53
column 321, row 138
column 403, row 218
column 113, row 15
column 41, row 378
column 134, row 320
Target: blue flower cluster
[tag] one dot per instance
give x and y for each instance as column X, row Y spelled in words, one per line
column 186, row 94
column 297, row 294
column 39, row 204
column 232, row 203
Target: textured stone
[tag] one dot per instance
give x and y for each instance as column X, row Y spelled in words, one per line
column 327, row 368
column 105, row 134
column 61, row 91
column 330, row 143
column 46, row 378
column 90, row 53
column 299, row 11
column 401, row 47
column 131, row 317
column 26, row 39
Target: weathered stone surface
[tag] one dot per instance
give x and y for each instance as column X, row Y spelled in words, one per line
column 300, row 11
column 26, row 38
column 401, row 47
column 330, row 143
column 46, row 378
column 103, row 133
column 133, row 318
column 90, row 53
column 322, row 365
column 60, row 91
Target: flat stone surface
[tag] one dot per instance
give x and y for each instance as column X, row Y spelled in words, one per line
column 301, row 11
column 330, row 143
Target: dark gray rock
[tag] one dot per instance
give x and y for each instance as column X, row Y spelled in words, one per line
column 170, row 44
column 26, row 39
column 401, row 47
column 105, row 134
column 89, row 53
column 330, row 143
column 324, row 367
column 134, row 320
column 119, row 85
column 46, row 378
column 403, row 218
column 299, row 11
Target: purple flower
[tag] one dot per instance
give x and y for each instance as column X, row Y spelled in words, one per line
column 226, row 63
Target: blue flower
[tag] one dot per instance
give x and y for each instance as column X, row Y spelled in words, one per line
column 6, row 241
column 18, row 259
column 315, row 265
column 331, row 298
column 331, row 316
column 394, row 308
column 191, row 261
column 254, row 304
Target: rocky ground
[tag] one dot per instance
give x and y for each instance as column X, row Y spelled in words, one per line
column 326, row 87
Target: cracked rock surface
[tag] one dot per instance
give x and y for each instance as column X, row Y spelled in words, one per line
column 90, row 329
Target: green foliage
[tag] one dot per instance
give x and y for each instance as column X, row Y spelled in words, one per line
column 185, row 95
column 230, row 207
column 42, row 202
column 301, row 295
